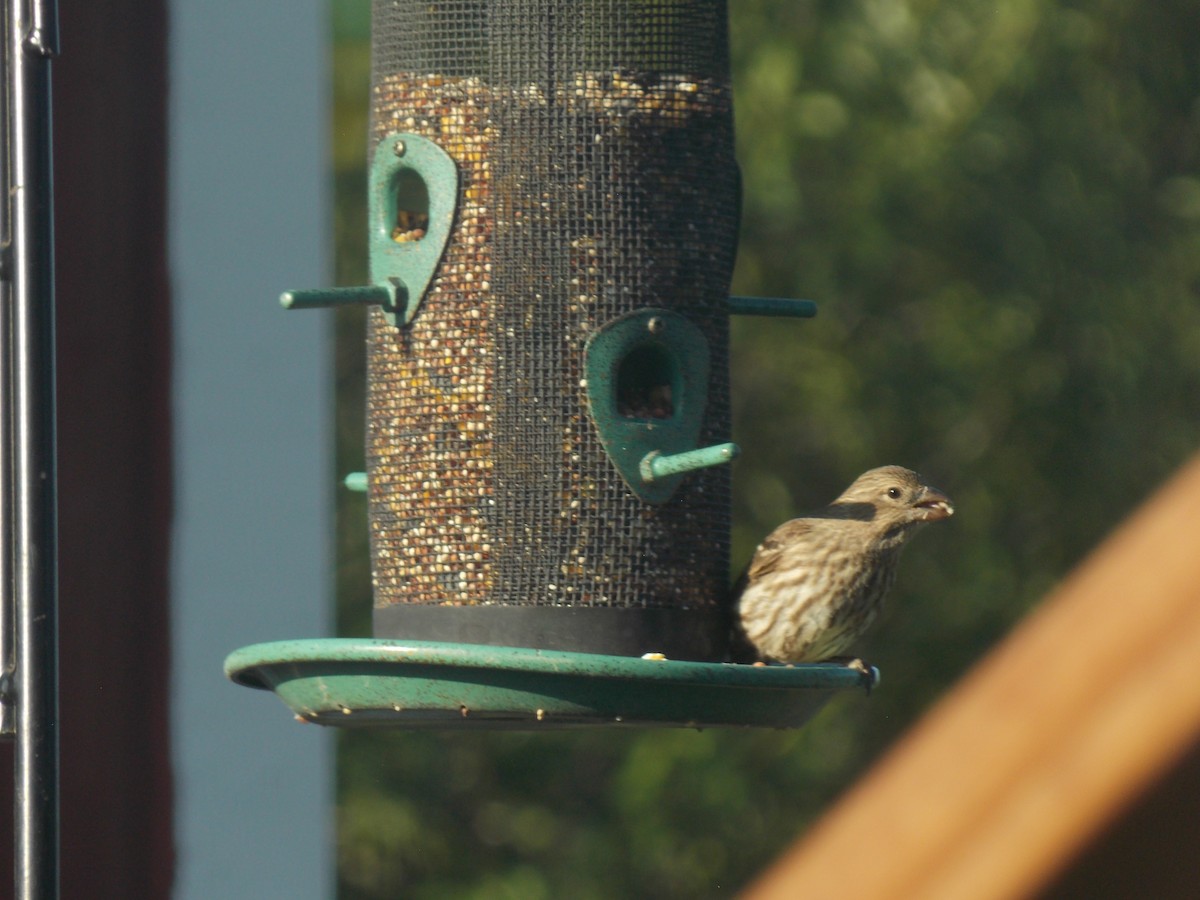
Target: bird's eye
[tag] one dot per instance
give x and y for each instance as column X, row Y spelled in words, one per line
column 894, row 493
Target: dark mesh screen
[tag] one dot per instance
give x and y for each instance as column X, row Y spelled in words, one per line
column 595, row 149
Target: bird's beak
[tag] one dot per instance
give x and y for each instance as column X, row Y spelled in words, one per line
column 934, row 505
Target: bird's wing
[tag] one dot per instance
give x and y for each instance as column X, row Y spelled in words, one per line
column 766, row 558
column 770, row 551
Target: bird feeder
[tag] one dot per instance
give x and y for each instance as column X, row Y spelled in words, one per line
column 553, row 220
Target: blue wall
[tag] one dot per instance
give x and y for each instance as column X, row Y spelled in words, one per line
column 249, row 217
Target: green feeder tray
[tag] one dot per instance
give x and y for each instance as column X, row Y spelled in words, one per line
column 424, row 684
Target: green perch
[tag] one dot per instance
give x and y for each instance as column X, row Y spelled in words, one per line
column 656, row 465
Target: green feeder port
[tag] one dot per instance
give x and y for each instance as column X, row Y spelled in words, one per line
column 412, row 193
column 647, row 387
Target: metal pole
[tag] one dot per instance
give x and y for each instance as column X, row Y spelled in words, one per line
column 8, row 710
column 31, row 41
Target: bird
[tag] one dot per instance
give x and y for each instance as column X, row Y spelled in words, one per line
column 817, row 582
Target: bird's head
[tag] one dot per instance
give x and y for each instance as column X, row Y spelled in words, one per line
column 897, row 500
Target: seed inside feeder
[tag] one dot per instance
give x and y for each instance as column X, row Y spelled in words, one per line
column 482, row 396
column 411, row 198
column 644, row 384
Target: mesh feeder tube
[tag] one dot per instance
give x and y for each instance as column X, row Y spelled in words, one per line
column 548, row 389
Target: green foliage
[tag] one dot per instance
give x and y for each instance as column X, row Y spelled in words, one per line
column 998, row 208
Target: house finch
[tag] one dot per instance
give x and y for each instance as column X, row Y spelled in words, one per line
column 817, row 582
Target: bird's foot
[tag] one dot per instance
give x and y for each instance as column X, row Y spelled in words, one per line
column 869, row 672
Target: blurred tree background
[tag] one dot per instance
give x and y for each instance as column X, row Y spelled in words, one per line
column 997, row 207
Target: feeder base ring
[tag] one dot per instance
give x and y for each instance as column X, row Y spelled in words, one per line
column 417, row 684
